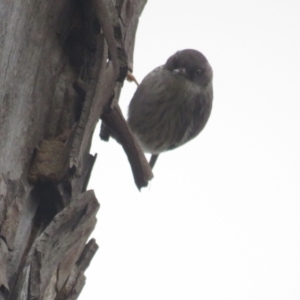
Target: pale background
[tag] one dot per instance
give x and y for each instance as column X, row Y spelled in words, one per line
column 221, row 218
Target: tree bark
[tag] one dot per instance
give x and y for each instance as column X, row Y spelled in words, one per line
column 62, row 65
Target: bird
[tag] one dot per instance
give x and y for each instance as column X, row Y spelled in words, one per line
column 172, row 104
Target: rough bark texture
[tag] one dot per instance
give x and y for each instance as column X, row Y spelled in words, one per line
column 62, row 65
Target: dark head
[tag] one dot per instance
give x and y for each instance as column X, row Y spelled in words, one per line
column 192, row 64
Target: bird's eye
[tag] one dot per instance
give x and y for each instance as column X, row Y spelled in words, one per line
column 199, row 72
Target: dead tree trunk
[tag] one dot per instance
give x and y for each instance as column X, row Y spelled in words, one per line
column 62, row 65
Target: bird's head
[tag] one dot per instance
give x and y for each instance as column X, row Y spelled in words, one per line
column 191, row 64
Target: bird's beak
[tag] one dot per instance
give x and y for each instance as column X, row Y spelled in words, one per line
column 180, row 71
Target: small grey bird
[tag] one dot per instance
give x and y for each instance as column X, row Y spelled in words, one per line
column 173, row 103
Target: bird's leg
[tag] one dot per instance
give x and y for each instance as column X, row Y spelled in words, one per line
column 131, row 78
column 153, row 160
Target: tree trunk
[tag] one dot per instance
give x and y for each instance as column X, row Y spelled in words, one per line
column 62, row 66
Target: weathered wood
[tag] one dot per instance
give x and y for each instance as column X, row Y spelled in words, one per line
column 61, row 61
column 123, row 26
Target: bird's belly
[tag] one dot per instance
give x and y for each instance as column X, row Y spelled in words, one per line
column 168, row 117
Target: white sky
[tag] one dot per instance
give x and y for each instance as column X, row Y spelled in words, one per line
column 221, row 218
